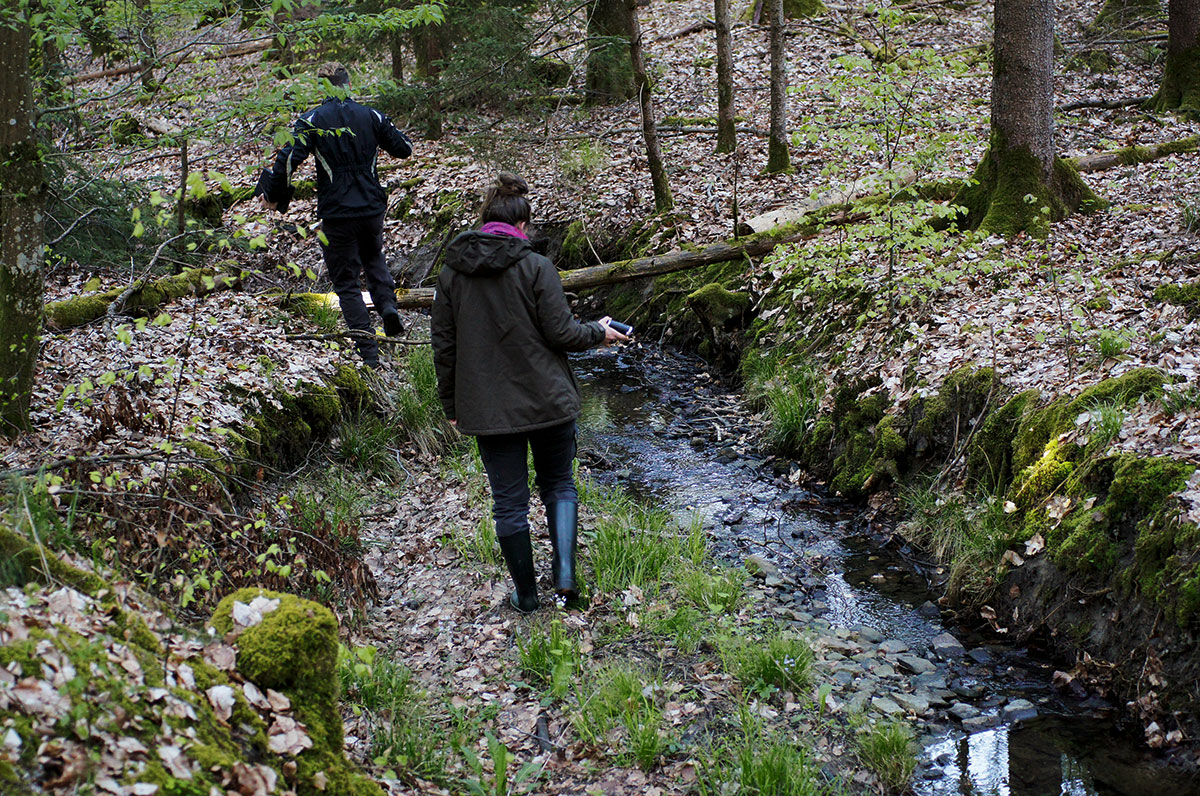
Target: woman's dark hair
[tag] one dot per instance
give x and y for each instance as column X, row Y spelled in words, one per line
column 505, row 201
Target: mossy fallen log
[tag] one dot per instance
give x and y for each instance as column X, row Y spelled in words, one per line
column 1132, row 155
column 625, row 270
column 82, row 310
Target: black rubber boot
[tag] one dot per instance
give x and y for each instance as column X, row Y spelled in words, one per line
column 393, row 326
column 518, row 554
column 562, row 518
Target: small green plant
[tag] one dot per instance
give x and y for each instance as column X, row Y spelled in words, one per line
column 1105, row 422
column 498, row 783
column 1110, row 344
column 366, row 445
column 550, row 657
column 778, row 661
column 1190, row 212
column 619, row 699
column 584, row 160
column 405, row 741
column 719, row 591
column 887, row 750
column 478, row 545
column 685, row 625
column 325, row 316
column 1185, row 398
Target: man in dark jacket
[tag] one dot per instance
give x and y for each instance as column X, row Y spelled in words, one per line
column 346, row 138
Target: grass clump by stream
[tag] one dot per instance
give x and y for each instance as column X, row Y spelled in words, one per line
column 887, row 749
column 779, row 661
column 759, row 761
column 790, row 392
column 619, row 702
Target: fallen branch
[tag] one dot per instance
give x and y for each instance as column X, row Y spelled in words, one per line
column 117, row 71
column 82, row 310
column 704, row 24
column 1103, row 104
column 1133, row 155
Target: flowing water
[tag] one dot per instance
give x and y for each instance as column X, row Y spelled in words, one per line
column 664, row 430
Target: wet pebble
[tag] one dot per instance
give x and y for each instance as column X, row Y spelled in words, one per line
column 983, row 722
column 869, row 634
column 893, row 647
column 913, row 703
column 980, row 655
column 962, row 711
column 886, row 705
column 946, row 646
column 916, row 665
column 929, row 610
column 1019, row 710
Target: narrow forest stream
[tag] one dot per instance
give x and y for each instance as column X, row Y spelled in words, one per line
column 992, row 724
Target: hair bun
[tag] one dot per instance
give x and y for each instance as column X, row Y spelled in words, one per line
column 509, row 184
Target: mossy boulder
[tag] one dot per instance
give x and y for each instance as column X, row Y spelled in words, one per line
column 293, row 650
column 718, row 306
column 990, row 456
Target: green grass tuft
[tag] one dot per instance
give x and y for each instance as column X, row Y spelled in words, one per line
column 550, row 657
column 888, row 750
column 779, row 661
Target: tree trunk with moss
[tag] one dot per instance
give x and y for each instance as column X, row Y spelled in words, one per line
column 1021, row 186
column 663, row 200
column 1180, row 89
column 777, row 145
column 609, row 75
column 21, row 199
column 726, row 132
column 146, row 44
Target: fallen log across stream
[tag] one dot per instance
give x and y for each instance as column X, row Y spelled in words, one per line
column 611, row 273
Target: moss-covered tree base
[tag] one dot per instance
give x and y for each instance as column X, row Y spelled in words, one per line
column 1180, row 89
column 1008, row 194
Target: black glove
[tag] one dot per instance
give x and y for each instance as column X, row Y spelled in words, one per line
column 282, row 198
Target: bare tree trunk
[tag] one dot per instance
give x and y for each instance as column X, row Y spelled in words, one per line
column 1180, row 87
column 427, row 46
column 609, row 77
column 146, row 43
column 396, row 45
column 726, row 134
column 658, row 173
column 777, row 145
column 20, row 230
column 1021, row 186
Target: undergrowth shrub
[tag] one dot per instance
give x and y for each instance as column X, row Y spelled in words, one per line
column 790, row 392
column 366, row 445
column 418, row 410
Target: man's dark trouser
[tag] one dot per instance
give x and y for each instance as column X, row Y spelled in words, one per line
column 504, row 458
column 356, row 244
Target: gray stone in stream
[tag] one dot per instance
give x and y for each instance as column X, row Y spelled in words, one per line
column 844, row 678
column 883, row 670
column 869, row 635
column 841, row 632
column 929, row 610
column 913, row 703
column 858, row 702
column 980, row 655
column 947, row 646
column 930, row 680
column 843, row 646
column 980, row 723
column 893, row 647
column 969, row 690
column 760, row 566
column 1019, row 710
column 886, row 705
column 962, row 711
column 916, row 665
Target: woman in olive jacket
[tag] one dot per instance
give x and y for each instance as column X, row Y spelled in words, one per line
column 501, row 329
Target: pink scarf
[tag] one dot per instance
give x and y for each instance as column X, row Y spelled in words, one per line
column 500, row 228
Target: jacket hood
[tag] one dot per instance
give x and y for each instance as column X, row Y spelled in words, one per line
column 477, row 253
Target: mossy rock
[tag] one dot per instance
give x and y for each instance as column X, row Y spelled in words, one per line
column 1094, row 61
column 937, row 423
column 294, row 651
column 792, row 9
column 990, row 456
column 1186, row 295
column 718, row 306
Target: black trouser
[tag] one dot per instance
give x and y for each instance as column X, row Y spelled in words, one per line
column 354, row 245
column 504, row 458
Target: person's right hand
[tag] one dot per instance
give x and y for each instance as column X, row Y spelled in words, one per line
column 611, row 335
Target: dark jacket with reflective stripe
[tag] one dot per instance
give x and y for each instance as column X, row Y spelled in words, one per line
column 501, row 329
column 345, row 137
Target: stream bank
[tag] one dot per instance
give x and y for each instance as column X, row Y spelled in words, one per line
column 989, row 720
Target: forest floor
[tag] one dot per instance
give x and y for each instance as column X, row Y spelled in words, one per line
column 439, row 611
